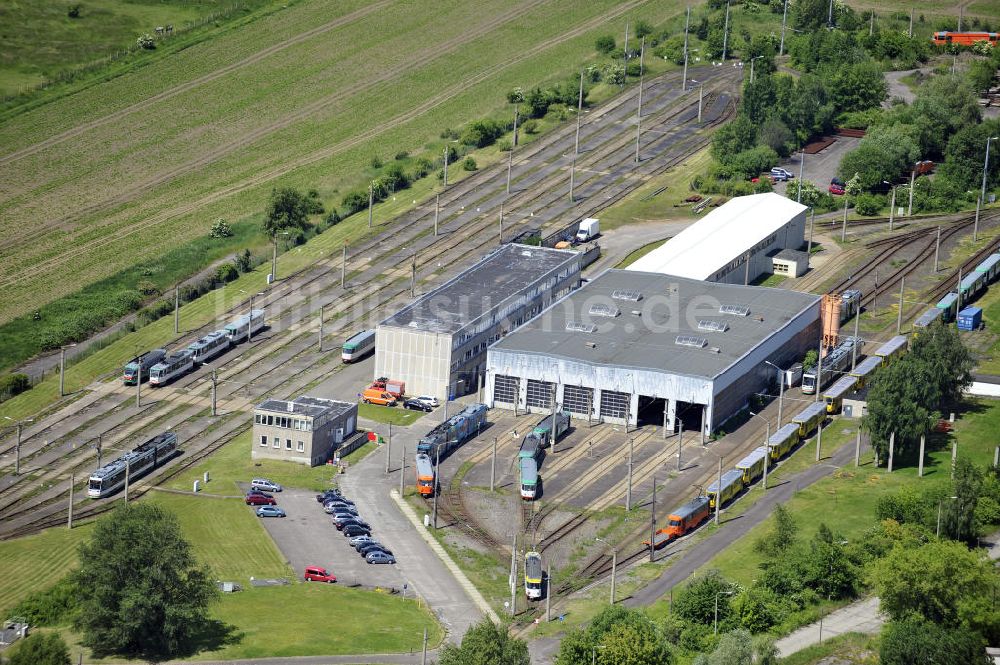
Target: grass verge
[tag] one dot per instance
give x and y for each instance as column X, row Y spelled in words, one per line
column 637, row 254
column 34, row 563
column 388, row 414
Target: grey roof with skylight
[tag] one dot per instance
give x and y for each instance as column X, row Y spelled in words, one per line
column 312, row 407
column 718, row 323
column 501, row 275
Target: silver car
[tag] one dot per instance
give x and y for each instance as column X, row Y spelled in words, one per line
column 379, row 557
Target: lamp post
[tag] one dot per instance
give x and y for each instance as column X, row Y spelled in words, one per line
column 982, row 194
column 715, row 630
column 614, row 566
column 767, row 453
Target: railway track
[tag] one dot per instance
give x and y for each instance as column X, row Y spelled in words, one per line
column 426, row 257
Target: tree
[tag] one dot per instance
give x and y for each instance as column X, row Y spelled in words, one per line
column 858, row 86
column 616, row 635
column 141, row 591
column 733, row 138
column 486, row 643
column 949, row 363
column 605, row 44
column 696, row 601
column 941, row 582
column 809, row 14
column 40, row 649
column 897, row 403
column 286, row 208
column 980, row 75
column 775, row 134
column 916, row 642
column 965, row 155
column 781, row 537
column 959, row 519
column 735, row 648
column 827, row 568
column 885, row 153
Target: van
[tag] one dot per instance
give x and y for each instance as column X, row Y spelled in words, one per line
column 779, row 173
column 376, row 396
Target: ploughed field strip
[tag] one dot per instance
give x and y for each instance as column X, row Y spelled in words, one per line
column 293, row 338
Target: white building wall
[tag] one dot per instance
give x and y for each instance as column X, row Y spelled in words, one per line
column 421, row 359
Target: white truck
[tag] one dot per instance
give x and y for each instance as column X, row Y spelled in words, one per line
column 590, row 228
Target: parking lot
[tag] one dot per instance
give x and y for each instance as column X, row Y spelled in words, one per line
column 819, row 168
column 308, row 538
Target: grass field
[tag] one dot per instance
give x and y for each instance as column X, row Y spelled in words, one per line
column 35, row 563
column 232, row 464
column 241, row 122
column 40, row 38
column 637, row 254
column 387, row 414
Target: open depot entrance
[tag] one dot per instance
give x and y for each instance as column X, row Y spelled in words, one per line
column 652, row 410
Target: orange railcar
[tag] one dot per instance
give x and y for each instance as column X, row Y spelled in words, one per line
column 963, row 38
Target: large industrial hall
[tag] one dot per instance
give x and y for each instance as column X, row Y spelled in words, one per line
column 736, row 243
column 632, row 347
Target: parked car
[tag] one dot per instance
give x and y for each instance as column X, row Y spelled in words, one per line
column 357, row 540
column 259, row 492
column 766, row 176
column 341, row 525
column 352, row 530
column 837, row 187
column 428, row 400
column 318, row 574
column 379, row 557
column 365, row 543
column 260, row 500
column 265, row 485
column 376, row 396
column 326, row 495
column 373, row 547
column 779, row 173
column 345, row 517
column 417, row 405
column 338, row 502
column 270, row 511
column 333, row 508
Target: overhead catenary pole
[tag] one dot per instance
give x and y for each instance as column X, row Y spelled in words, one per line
column 510, row 165
column 784, row 19
column 62, row 371
column 819, row 437
column 652, row 522
column 975, row 224
column 500, row 234
column 701, row 96
column 517, row 109
column 177, row 302
column 413, row 276
column 402, row 473
column 725, row 34
column 937, row 248
column 388, row 450
column 628, row 489
column 958, row 303
column 892, row 449
column 72, row 482
column 343, row 265
column 614, row 573
column 446, row 162
column 899, row 314
column 214, row 393
column 819, row 367
column 687, row 24
column 638, row 110
column 138, row 381
column 579, row 114
column 680, row 445
column 986, row 164
column 513, row 576
column 843, row 228
column 857, row 449
column 767, row 451
column 371, row 201
column 437, row 483
column 892, row 208
column 812, row 227
column 625, row 58
column 572, row 173
column 274, row 253
column 548, row 593
column 718, row 493
column 17, row 451
column 909, row 207
column 854, row 347
column 493, row 466
column 920, row 462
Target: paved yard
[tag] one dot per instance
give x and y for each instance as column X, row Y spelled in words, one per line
column 819, row 168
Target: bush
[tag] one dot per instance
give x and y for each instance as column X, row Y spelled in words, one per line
column 422, row 167
column 146, row 41
column 50, row 607
column 13, row 384
column 243, row 262
column 313, row 205
column 73, row 11
column 482, row 133
column 376, row 162
column 147, row 288
column 226, row 273
column 868, row 205
column 40, row 649
column 696, row 602
column 401, row 155
column 469, row 164
column 530, row 127
column 355, row 201
column 504, row 145
column 605, row 44
column 221, row 229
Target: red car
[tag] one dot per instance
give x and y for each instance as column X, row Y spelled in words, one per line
column 260, row 500
column 836, row 187
column 318, row 574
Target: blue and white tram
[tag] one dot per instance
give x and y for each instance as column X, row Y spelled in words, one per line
column 989, row 267
column 850, row 303
column 948, row 306
column 138, row 462
column 928, row 317
column 209, row 346
column 176, row 364
column 242, row 328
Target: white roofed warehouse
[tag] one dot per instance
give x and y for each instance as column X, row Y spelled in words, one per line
column 437, row 344
column 732, row 244
column 632, row 347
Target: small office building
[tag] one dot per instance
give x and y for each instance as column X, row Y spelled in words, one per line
column 437, row 344
column 790, row 263
column 634, row 347
column 733, row 244
column 306, row 430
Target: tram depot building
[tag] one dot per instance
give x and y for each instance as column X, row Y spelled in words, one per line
column 631, row 347
column 305, row 430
